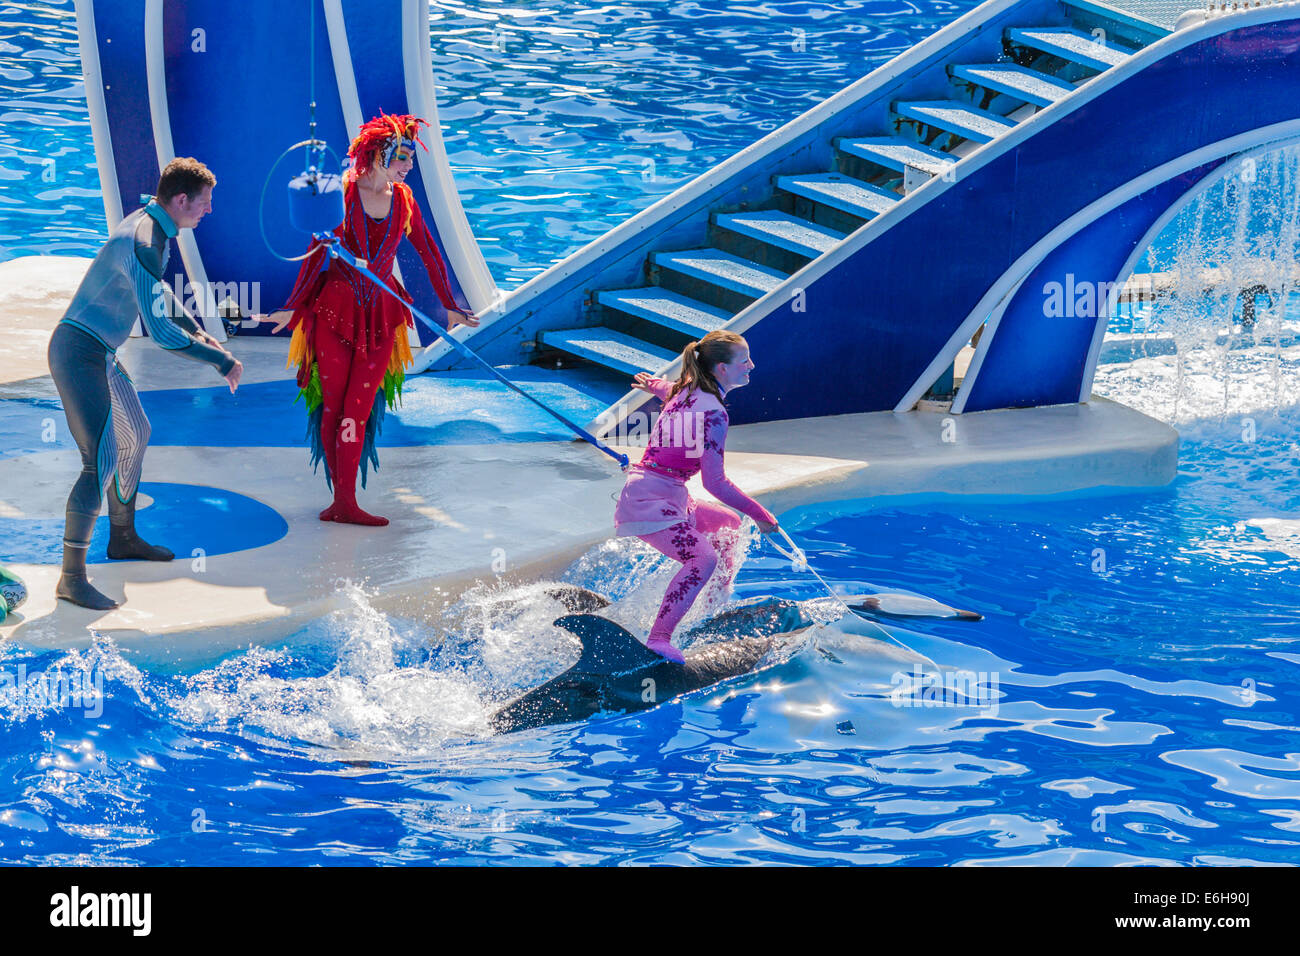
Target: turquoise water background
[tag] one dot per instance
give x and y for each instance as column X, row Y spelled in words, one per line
column 569, row 116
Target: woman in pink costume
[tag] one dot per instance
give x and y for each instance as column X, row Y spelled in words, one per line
column 689, row 438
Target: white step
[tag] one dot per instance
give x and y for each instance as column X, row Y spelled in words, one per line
column 782, row 230
column 898, row 154
column 1025, row 84
column 609, row 348
column 978, row 125
column 722, row 269
column 840, row 192
column 667, row 308
column 1069, row 44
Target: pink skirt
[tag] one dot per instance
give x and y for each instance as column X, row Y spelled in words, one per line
column 651, row 503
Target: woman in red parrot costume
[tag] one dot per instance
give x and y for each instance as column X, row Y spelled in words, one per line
column 349, row 337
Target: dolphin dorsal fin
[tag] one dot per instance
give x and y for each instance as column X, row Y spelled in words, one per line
column 606, row 647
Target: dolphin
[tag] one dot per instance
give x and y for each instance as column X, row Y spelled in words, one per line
column 616, row 672
column 888, row 604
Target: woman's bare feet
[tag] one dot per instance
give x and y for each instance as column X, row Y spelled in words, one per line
column 664, row 648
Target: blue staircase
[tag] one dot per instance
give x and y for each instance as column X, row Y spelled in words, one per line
column 802, row 210
column 752, row 252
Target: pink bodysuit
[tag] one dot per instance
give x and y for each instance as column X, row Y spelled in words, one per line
column 689, row 437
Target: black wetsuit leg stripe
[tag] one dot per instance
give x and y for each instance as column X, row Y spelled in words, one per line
column 106, row 459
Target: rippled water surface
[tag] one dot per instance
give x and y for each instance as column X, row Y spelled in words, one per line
column 561, row 120
column 1129, row 697
column 50, row 201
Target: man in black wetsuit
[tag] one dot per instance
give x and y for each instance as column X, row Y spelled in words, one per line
column 103, row 410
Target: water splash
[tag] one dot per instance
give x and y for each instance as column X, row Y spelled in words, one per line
column 1233, row 250
column 381, row 687
column 381, row 691
column 33, row 689
column 635, row 577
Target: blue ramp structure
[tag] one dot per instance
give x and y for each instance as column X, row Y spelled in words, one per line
column 858, row 248
column 229, row 82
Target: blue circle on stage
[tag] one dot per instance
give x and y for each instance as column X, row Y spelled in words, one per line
column 186, row 519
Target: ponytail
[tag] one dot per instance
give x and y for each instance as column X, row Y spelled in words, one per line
column 700, row 358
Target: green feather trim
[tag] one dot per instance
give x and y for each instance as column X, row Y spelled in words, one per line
column 393, row 382
column 312, row 394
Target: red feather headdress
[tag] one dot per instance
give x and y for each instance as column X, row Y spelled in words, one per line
column 381, row 136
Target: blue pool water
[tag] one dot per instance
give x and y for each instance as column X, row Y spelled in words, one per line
column 574, row 115
column 571, row 115
column 1134, row 671
column 1138, row 671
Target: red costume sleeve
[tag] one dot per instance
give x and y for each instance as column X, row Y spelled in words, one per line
column 425, row 245
column 307, row 273
column 714, row 475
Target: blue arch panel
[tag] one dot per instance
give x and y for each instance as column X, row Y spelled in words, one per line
column 375, row 45
column 1039, row 350
column 119, row 37
column 237, row 98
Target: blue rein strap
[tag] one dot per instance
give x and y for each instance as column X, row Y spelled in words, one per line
column 799, row 561
column 339, row 252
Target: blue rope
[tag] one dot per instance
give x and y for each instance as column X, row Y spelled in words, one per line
column 337, row 251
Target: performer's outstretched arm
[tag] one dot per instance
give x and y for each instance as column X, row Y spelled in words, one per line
column 713, row 471
column 427, row 247
column 657, row 387
column 170, row 325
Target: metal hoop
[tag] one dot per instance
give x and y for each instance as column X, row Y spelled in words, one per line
column 261, row 203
